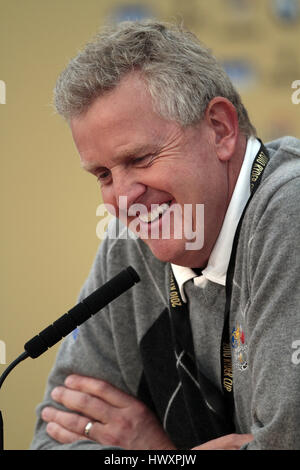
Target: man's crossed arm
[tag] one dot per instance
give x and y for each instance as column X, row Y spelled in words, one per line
column 118, row 419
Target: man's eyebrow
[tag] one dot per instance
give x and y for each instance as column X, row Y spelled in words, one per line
column 125, row 154
column 136, row 151
column 90, row 167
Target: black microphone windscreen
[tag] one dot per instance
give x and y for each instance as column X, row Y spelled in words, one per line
column 81, row 312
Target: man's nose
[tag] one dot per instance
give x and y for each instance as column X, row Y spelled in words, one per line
column 127, row 189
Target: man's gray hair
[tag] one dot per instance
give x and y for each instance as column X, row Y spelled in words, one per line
column 181, row 74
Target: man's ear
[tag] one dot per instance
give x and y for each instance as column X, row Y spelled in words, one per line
column 221, row 117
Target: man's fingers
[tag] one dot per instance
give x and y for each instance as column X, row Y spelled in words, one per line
column 244, row 439
column 88, row 405
column 71, row 421
column 62, row 435
column 99, row 388
column 67, row 427
column 227, row 442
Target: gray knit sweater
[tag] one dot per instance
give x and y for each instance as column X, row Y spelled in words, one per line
column 129, row 342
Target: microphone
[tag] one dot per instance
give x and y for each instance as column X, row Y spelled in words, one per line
column 73, row 318
column 81, row 312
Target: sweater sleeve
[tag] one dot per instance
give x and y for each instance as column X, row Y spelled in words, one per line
column 273, row 322
column 86, row 351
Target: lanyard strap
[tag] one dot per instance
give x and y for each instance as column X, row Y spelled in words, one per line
column 182, row 332
column 258, row 167
column 181, row 328
column 200, row 401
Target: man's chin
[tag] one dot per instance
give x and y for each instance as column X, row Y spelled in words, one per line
column 172, row 251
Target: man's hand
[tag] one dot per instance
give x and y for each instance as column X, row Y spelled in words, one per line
column 228, row 442
column 118, row 419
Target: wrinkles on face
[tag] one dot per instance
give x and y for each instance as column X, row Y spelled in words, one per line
column 150, row 160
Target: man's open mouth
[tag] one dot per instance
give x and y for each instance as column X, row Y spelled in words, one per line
column 156, row 211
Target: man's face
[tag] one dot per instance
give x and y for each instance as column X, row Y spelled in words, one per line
column 141, row 158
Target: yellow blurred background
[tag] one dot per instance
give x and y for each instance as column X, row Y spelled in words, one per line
column 48, row 204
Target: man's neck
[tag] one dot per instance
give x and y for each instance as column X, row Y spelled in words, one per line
column 235, row 165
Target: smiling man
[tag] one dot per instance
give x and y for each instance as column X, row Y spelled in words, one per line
column 191, row 357
column 152, row 161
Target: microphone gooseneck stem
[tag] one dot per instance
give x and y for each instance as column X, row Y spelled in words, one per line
column 19, row 359
column 69, row 321
column 1, row 433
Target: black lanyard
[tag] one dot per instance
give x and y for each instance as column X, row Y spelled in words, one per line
column 182, row 332
column 181, row 328
column 258, row 167
column 200, row 401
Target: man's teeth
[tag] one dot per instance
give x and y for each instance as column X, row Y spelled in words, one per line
column 154, row 213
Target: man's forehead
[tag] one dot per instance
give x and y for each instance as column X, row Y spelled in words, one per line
column 124, row 108
column 131, row 92
column 120, row 125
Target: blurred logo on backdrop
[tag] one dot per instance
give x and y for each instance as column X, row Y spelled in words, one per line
column 241, row 72
column 287, row 11
column 286, row 66
column 131, row 12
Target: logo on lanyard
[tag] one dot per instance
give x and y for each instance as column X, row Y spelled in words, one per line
column 175, row 299
column 240, row 349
